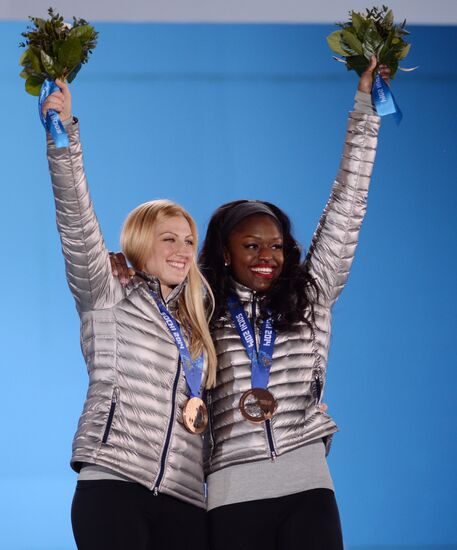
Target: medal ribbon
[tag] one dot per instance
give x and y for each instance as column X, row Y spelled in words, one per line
column 384, row 100
column 52, row 122
column 193, row 369
column 262, row 360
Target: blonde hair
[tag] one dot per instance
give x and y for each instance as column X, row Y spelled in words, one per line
column 136, row 237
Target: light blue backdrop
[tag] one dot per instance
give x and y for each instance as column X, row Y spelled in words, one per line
column 207, row 114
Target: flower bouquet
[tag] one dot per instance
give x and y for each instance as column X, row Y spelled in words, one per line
column 365, row 35
column 54, row 49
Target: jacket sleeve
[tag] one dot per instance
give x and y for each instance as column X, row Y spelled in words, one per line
column 334, row 242
column 87, row 262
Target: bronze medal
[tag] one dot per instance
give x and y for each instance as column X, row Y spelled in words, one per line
column 257, row 405
column 195, row 415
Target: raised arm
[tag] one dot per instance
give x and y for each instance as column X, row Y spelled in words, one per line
column 86, row 257
column 334, row 242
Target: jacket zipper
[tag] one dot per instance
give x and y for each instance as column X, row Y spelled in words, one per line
column 163, row 457
column 112, row 409
column 268, row 426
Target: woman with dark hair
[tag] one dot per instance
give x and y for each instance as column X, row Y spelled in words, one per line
column 268, row 481
column 286, row 297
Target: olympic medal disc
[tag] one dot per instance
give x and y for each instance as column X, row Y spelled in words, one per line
column 195, row 415
column 257, row 405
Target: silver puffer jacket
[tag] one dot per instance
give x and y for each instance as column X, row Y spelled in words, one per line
column 298, row 372
column 131, row 421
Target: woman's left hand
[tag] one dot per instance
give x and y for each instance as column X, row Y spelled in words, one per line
column 366, row 80
column 120, row 269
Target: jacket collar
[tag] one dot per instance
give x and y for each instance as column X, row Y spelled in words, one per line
column 153, row 284
column 245, row 294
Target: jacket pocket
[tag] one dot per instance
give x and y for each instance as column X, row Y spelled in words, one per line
column 209, row 402
column 317, row 385
column 112, row 410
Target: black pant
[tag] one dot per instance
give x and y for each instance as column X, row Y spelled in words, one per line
column 119, row 515
column 303, row 521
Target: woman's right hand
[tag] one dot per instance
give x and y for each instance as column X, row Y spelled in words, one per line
column 120, row 269
column 59, row 101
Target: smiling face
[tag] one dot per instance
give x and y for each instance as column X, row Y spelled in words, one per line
column 172, row 252
column 255, row 252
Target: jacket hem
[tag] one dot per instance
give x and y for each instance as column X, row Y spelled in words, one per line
column 327, row 436
column 78, row 460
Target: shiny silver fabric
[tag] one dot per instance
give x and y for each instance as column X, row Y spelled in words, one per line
column 300, row 360
column 131, row 421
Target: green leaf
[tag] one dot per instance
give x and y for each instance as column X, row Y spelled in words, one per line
column 334, row 42
column 34, row 58
column 73, row 73
column 39, row 23
column 33, row 85
column 373, row 37
column 368, row 50
column 23, row 58
column 358, row 63
column 389, row 58
column 352, row 42
column 56, row 45
column 363, row 30
column 382, row 56
column 358, row 23
column 389, row 20
column 83, row 33
column 373, row 43
column 70, row 53
column 59, row 70
column 404, row 52
column 393, row 68
column 48, row 64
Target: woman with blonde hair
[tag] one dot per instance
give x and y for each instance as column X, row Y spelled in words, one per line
column 149, row 355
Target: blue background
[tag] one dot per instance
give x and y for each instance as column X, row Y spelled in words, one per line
column 203, row 114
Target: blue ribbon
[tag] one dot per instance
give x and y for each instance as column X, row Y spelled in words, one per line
column 262, row 360
column 193, row 369
column 384, row 100
column 52, row 122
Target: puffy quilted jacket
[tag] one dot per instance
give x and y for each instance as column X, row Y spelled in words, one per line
column 299, row 365
column 131, row 421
